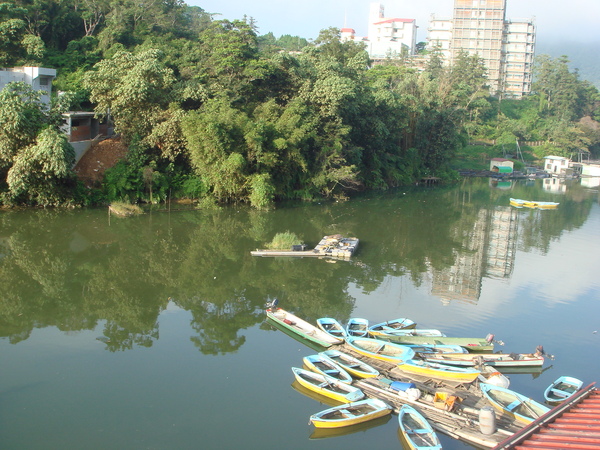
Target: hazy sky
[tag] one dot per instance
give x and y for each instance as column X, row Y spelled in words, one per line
column 571, row 20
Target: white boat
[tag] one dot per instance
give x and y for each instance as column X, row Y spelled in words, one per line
column 561, row 389
column 302, row 328
column 383, row 350
column 491, row 359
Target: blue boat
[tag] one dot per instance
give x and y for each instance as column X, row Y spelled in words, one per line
column 350, row 364
column 416, row 430
column 331, row 326
column 357, row 327
column 561, row 389
column 512, row 403
column 325, row 366
column 391, row 325
column 382, row 350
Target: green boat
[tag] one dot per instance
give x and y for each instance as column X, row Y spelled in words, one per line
column 471, row 344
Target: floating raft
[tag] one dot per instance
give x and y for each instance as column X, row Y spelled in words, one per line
column 334, row 246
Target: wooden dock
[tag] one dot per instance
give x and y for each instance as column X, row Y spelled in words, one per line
column 461, row 422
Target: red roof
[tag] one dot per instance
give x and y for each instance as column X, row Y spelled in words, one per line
column 574, row 424
column 395, row 20
column 347, row 30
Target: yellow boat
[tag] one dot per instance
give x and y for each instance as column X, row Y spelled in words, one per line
column 350, row 414
column 439, row 371
column 328, row 386
column 519, row 203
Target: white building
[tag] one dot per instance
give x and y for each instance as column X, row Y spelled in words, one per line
column 387, row 37
column 39, row 78
column 506, row 47
column 556, row 165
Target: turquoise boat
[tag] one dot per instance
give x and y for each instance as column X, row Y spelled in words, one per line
column 561, row 389
column 516, row 405
column 357, row 327
column 325, row 366
column 391, row 325
column 331, row 326
column 382, row 350
column 350, row 364
column 416, row 430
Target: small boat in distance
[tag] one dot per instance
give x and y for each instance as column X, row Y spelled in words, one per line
column 561, row 389
column 416, row 430
column 383, row 350
column 327, row 386
column 331, row 326
column 516, row 405
column 350, row 364
column 320, row 364
column 439, row 371
column 357, row 327
column 302, row 328
column 415, row 332
column 519, row 203
column 350, row 413
column 426, row 350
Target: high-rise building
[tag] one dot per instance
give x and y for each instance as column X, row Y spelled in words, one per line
column 505, row 46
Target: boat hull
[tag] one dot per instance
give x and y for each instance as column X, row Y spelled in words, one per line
column 302, row 328
column 561, row 389
column 471, row 344
column 325, row 366
column 382, row 350
column 439, row 371
column 357, row 327
column 331, row 326
column 350, row 414
column 327, row 386
column 490, row 359
column 513, row 404
column 350, row 364
column 416, row 430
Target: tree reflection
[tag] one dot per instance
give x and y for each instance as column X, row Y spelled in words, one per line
column 74, row 269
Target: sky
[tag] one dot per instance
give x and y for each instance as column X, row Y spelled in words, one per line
column 568, row 20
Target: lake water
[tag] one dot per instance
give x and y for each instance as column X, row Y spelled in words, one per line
column 149, row 332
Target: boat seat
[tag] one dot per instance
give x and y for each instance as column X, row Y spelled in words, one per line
column 418, row 431
column 513, row 405
column 559, row 393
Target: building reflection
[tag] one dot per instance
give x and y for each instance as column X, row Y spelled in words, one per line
column 487, row 249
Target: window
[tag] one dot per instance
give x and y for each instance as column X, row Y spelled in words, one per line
column 43, row 81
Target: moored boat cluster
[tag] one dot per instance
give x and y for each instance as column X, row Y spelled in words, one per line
column 374, row 370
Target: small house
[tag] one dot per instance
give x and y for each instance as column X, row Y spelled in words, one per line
column 556, row 165
column 83, row 129
column 39, row 78
column 501, row 165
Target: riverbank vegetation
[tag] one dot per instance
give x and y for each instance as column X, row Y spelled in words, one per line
column 210, row 110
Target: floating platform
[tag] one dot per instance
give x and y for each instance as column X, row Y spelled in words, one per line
column 334, row 246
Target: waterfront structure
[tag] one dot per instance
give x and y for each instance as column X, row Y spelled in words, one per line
column 39, row 78
column 506, row 46
column 387, row 37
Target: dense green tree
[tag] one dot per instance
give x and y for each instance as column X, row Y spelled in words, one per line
column 136, row 88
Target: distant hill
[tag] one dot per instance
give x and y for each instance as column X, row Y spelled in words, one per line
column 582, row 56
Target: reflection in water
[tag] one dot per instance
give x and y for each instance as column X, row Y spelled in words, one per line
column 73, row 269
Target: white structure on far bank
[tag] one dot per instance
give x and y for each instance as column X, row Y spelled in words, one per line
column 39, row 78
column 387, row 37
